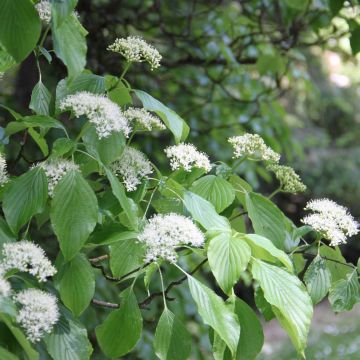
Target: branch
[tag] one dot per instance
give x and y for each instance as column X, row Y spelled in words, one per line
column 143, row 304
column 312, row 256
column 105, row 304
column 150, row 298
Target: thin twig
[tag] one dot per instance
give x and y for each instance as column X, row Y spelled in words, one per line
column 99, row 258
column 105, row 304
column 312, row 256
column 150, row 298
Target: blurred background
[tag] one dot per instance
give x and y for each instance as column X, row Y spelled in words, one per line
column 286, row 69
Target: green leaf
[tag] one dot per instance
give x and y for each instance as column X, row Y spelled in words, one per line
column 204, row 212
column 41, row 121
column 70, row 44
column 333, row 259
column 121, row 330
column 25, row 197
column 46, row 54
column 125, row 256
column 40, row 141
column 344, row 294
column 262, row 248
column 109, row 235
column 6, row 60
column 355, row 40
column 19, row 27
column 61, row 10
column 117, row 91
column 68, row 340
column 228, row 258
column 6, row 355
column 289, row 299
column 40, row 99
column 172, row 120
column 74, row 213
column 172, row 340
column 297, row 4
column 241, row 188
column 335, row 6
column 106, row 149
column 266, row 218
column 215, row 313
column 62, row 146
column 317, row 279
column 86, row 82
column 216, row 190
column 251, row 334
column 128, row 205
column 77, row 284
column 6, row 234
column 262, row 304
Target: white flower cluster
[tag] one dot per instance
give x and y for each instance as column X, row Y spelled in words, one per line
column 106, row 116
column 144, row 119
column 186, row 156
column 27, row 257
column 3, row 173
column 5, row 288
column 38, row 314
column 254, row 147
column 44, row 9
column 164, row 233
column 135, row 49
column 290, row 181
column 133, row 166
column 331, row 220
column 55, row 170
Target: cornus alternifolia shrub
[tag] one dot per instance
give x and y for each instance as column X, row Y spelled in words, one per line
column 136, row 239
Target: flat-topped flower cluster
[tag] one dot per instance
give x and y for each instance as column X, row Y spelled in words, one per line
column 135, row 49
column 38, row 313
column 133, row 167
column 253, row 146
column 331, row 220
column 164, row 233
column 105, row 115
column 186, row 156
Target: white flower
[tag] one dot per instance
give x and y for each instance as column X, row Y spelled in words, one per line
column 44, row 9
column 186, row 156
column 5, row 288
column 133, row 166
column 333, row 221
column 55, row 170
column 3, row 173
column 38, row 314
column 27, row 257
column 135, row 49
column 144, row 119
column 290, row 181
column 164, row 233
column 106, row 116
column 254, row 147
